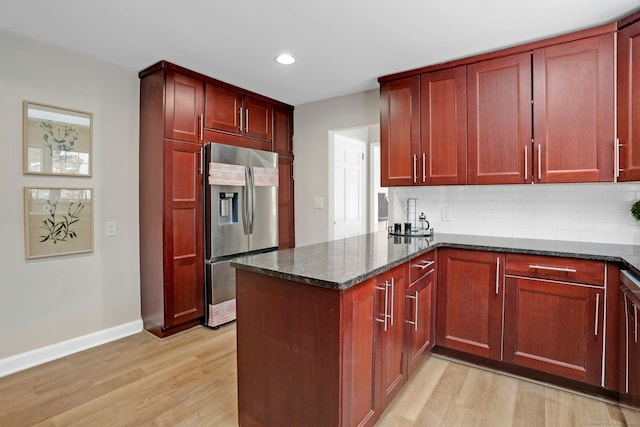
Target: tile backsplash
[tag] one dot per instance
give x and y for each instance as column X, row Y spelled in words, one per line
column 579, row 212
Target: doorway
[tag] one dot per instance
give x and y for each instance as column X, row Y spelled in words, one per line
column 353, row 175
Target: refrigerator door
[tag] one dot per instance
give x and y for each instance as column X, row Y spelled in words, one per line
column 263, row 167
column 226, row 197
column 221, row 293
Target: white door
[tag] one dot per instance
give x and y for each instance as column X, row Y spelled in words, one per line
column 349, row 187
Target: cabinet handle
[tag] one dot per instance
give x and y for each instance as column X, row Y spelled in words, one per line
column 201, row 160
column 201, row 126
column 240, row 112
column 526, row 160
column 618, row 169
column 497, row 275
column 544, row 267
column 539, row 162
column 427, row 264
column 415, row 172
column 635, row 325
column 386, row 304
column 595, row 332
column 415, row 316
column 393, row 291
column 246, row 120
column 424, row 167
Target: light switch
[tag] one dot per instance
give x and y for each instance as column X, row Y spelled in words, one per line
column 318, row 203
column 112, row 229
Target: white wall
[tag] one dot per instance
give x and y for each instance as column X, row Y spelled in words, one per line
column 578, row 212
column 312, row 123
column 51, row 300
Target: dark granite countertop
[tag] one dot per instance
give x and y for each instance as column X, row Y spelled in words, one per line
column 342, row 263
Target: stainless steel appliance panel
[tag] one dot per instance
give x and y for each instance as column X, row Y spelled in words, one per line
column 226, row 233
column 223, row 281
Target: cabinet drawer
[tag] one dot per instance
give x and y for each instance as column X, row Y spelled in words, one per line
column 421, row 265
column 556, row 268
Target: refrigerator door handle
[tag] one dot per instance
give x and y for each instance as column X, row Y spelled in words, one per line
column 246, row 194
column 252, row 189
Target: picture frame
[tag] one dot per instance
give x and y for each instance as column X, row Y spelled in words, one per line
column 57, row 221
column 57, row 140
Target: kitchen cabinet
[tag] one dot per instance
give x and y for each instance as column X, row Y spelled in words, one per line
column 469, row 301
column 233, row 112
column 541, row 112
column 442, row 154
column 400, row 132
column 183, row 107
column 499, row 143
column 567, row 297
column 629, row 341
column 319, row 356
column 391, row 366
column 171, row 234
column 178, row 111
column 573, row 110
column 283, row 145
column 628, row 114
column 419, row 309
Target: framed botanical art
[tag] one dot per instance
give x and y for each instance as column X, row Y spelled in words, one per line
column 58, row 221
column 57, row 141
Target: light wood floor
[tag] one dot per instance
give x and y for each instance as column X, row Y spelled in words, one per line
column 190, row 380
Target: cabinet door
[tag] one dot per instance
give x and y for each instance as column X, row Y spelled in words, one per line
column 359, row 388
column 500, row 120
column 631, row 359
column 183, row 107
column 629, row 102
column 392, row 369
column 400, row 132
column 469, row 307
column 555, row 328
column 283, row 131
column 574, row 111
column 183, row 234
column 257, row 118
column 420, row 318
column 286, row 219
column 222, row 109
column 443, row 159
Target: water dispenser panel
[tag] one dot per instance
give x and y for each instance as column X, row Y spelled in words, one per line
column 228, row 203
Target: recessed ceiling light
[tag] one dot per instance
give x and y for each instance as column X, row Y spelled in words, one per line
column 285, row 59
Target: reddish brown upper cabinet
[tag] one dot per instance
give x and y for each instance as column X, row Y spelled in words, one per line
column 184, row 103
column 236, row 113
column 283, row 145
column 567, row 296
column 469, row 307
column 573, row 110
column 629, row 102
column 400, row 132
column 442, row 156
column 499, row 143
column 420, row 304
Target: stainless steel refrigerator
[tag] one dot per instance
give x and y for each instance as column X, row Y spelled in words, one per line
column 241, row 217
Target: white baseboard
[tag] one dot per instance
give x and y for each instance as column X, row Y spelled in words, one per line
column 42, row 355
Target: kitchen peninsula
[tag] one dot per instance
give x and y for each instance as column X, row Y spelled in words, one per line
column 328, row 333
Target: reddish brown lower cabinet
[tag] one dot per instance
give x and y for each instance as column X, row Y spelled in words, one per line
column 308, row 355
column 469, row 307
column 420, row 319
column 555, row 327
column 630, row 343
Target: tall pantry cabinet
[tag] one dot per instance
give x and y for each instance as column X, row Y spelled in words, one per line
column 179, row 111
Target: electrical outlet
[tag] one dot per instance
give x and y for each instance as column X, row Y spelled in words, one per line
column 111, row 229
column 446, row 214
column 318, row 203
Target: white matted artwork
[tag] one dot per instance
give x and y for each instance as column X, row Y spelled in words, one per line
column 57, row 141
column 58, row 221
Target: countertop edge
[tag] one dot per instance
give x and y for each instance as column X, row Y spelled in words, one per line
column 342, row 285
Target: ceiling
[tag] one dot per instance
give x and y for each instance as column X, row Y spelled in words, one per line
column 341, row 46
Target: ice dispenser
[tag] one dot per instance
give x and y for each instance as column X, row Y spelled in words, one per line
column 228, row 208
